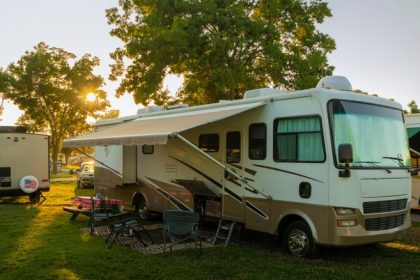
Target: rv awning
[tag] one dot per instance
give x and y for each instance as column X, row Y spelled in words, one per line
column 157, row 129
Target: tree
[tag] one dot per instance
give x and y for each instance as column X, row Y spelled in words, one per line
column 220, row 47
column 413, row 107
column 50, row 86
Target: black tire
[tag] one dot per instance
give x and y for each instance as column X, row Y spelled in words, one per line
column 79, row 185
column 298, row 240
column 142, row 209
column 35, row 197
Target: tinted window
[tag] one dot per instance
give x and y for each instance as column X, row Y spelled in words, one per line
column 298, row 140
column 209, row 142
column 233, row 147
column 148, row 149
column 257, row 141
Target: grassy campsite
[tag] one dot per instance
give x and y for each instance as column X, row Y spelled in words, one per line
column 39, row 242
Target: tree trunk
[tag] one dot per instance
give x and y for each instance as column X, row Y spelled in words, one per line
column 54, row 158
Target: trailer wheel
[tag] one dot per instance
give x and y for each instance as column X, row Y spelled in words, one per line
column 141, row 209
column 35, row 197
column 298, row 240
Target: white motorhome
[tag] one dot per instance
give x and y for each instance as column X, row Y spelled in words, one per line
column 24, row 168
column 317, row 166
column 413, row 130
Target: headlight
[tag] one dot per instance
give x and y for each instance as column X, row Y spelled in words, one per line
column 346, row 223
column 344, row 211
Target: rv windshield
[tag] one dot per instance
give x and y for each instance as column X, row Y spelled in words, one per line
column 377, row 134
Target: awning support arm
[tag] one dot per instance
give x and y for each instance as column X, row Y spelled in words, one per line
column 98, row 161
column 212, row 159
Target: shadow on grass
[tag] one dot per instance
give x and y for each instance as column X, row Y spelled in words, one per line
column 41, row 243
column 62, row 250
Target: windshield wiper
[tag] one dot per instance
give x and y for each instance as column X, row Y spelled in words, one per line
column 374, row 163
column 400, row 161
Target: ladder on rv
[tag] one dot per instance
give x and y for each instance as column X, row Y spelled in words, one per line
column 224, row 231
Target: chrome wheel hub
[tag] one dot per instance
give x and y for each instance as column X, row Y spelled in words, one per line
column 298, row 242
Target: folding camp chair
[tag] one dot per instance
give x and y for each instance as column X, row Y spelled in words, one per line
column 102, row 213
column 129, row 225
column 180, row 226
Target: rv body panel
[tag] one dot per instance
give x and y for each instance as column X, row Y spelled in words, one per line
column 23, row 154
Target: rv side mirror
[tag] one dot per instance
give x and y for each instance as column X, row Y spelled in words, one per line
column 345, row 155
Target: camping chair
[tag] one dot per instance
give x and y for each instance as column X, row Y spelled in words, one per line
column 101, row 213
column 126, row 226
column 180, row 226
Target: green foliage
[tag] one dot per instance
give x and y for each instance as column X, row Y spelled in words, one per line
column 50, row 85
column 220, row 47
column 111, row 114
column 413, row 107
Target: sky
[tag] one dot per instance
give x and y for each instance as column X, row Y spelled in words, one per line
column 378, row 43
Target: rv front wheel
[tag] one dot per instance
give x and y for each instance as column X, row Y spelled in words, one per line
column 141, row 209
column 298, row 240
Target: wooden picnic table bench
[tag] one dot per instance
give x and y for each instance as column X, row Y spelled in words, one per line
column 76, row 211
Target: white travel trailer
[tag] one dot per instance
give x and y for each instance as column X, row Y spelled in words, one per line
column 24, row 168
column 318, row 166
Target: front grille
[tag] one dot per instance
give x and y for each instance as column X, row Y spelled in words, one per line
column 384, row 223
column 384, row 206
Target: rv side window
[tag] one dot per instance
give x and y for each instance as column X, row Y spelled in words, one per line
column 298, row 140
column 257, row 141
column 233, row 147
column 148, row 149
column 209, row 142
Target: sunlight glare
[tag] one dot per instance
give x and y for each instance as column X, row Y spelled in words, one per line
column 91, row 97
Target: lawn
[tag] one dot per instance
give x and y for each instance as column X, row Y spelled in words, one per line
column 39, row 242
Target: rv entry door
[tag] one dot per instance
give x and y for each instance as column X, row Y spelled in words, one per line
column 233, row 188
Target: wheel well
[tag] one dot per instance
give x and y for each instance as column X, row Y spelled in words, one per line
column 137, row 198
column 287, row 221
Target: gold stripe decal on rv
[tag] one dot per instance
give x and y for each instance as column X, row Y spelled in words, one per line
column 289, row 172
column 228, row 191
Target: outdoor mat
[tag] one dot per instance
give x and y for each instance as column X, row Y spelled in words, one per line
column 155, row 231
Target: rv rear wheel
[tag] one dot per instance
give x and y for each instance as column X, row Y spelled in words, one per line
column 141, row 209
column 298, row 240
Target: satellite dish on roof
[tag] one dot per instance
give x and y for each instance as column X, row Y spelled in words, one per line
column 335, row 82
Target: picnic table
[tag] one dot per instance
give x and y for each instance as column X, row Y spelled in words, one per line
column 85, row 202
column 95, row 208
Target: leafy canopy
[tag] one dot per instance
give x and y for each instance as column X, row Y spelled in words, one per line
column 50, row 85
column 220, row 47
column 413, row 107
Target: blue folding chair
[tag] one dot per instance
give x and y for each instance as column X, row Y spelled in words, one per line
column 180, row 226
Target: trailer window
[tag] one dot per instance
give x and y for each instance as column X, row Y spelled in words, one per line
column 148, row 149
column 298, row 140
column 209, row 142
column 257, row 141
column 233, row 147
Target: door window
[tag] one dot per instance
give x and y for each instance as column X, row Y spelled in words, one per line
column 233, row 147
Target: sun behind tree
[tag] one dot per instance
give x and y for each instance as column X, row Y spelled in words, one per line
column 51, row 86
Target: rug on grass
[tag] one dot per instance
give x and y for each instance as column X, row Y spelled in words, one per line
column 155, row 231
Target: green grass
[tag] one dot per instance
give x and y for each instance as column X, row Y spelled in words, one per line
column 63, row 175
column 39, row 242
